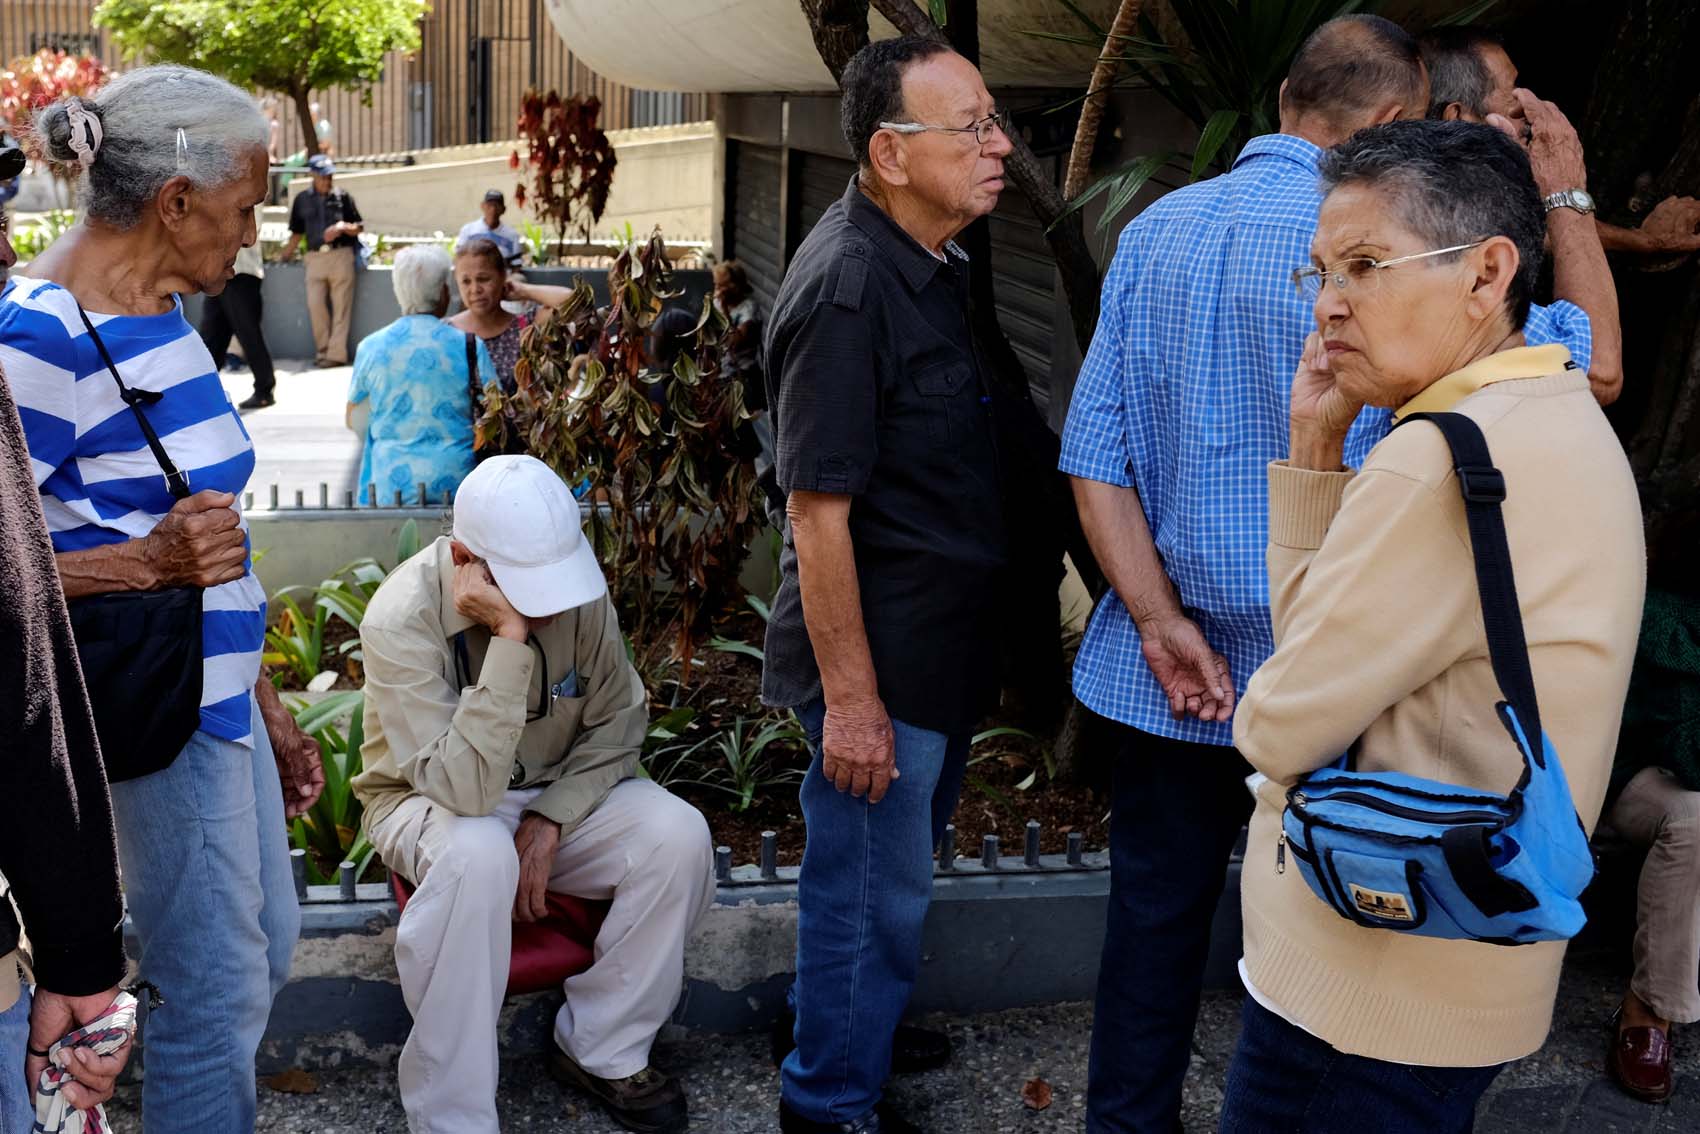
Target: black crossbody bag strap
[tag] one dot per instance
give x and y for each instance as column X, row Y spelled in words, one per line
column 1483, row 489
column 176, row 480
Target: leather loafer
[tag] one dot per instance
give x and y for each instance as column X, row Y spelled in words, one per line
column 1639, row 1062
column 649, row 1102
column 912, row 1049
column 881, row 1120
column 257, row 401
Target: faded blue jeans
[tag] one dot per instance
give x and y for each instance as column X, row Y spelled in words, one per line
column 206, row 876
column 866, row 881
column 17, row 1096
column 1283, row 1080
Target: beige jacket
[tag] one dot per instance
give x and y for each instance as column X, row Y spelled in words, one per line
column 464, row 739
column 1379, row 635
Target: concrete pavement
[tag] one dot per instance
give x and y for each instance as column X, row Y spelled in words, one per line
column 301, row 441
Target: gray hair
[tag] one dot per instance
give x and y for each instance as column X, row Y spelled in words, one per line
column 421, row 278
column 1451, row 183
column 155, row 124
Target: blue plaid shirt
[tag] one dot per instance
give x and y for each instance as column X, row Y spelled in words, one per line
column 1184, row 396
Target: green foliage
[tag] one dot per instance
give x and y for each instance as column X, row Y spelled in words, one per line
column 682, row 499
column 297, row 641
column 739, row 762
column 32, row 240
column 1224, row 72
column 330, row 832
column 291, row 46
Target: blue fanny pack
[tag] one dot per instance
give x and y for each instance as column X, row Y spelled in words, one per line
column 1391, row 851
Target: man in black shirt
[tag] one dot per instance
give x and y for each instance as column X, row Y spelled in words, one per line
column 328, row 220
column 884, row 632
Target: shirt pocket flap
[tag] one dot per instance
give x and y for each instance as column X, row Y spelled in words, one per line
column 942, row 379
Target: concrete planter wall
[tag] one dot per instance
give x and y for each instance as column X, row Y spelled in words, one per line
column 289, row 332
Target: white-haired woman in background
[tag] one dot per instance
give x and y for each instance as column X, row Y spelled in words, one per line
column 417, row 373
column 173, row 165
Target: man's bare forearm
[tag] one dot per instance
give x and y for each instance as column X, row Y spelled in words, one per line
column 1581, row 275
column 832, row 597
column 1120, row 537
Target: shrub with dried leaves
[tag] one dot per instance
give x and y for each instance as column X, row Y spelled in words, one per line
column 666, row 455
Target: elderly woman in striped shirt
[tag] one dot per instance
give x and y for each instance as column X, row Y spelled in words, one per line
column 173, row 167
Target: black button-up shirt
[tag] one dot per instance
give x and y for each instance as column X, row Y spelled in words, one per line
column 312, row 212
column 877, row 393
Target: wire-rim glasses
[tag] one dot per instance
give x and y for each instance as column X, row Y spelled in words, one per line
column 1354, row 270
column 982, row 129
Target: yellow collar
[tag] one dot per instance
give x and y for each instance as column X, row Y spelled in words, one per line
column 1518, row 362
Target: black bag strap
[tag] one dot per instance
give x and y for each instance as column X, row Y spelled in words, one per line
column 474, row 388
column 176, row 480
column 1483, row 489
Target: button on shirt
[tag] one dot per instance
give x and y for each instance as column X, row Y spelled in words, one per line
column 312, row 212
column 1184, row 395
column 876, row 393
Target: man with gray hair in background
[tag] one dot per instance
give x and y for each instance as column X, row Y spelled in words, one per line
column 1180, row 406
column 1472, row 79
column 882, row 638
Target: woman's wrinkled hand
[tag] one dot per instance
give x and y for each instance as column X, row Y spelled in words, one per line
column 1318, row 402
column 199, row 543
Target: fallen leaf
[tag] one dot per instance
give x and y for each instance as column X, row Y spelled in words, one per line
column 298, row 1082
column 1036, row 1094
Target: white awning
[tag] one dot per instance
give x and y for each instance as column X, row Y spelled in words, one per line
column 764, row 45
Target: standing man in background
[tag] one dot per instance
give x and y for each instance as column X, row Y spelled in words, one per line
column 490, row 227
column 238, row 309
column 884, row 422
column 327, row 218
column 1182, row 403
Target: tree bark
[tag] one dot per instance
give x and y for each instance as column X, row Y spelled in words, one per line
column 304, row 111
column 840, row 29
column 1075, row 264
column 1097, row 97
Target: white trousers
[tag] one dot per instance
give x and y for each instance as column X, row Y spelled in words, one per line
column 645, row 849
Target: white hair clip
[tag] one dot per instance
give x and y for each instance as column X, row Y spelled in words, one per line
column 85, row 131
column 182, row 150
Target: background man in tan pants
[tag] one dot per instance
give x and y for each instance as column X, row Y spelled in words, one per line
column 330, row 222
column 503, row 723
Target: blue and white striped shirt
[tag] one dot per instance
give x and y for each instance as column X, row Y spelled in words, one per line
column 100, row 483
column 1184, row 395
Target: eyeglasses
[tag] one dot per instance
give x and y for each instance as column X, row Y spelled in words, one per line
column 981, row 129
column 1360, row 272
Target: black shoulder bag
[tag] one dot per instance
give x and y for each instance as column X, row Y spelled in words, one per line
column 141, row 650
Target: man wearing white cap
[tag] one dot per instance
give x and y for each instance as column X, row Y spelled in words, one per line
column 503, row 723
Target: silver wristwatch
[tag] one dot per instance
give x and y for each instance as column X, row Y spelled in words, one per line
column 1578, row 199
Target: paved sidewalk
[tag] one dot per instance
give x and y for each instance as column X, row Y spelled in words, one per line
column 734, row 1090
column 301, row 441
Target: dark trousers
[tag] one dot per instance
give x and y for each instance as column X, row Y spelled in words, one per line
column 1283, row 1080
column 237, row 310
column 1175, row 815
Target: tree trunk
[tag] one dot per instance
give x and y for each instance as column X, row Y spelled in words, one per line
column 1075, row 265
column 1097, row 96
column 304, row 111
column 840, row 29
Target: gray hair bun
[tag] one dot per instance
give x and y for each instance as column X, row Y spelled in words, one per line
column 53, row 129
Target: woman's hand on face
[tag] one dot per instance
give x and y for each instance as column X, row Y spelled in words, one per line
column 199, row 543
column 1319, row 404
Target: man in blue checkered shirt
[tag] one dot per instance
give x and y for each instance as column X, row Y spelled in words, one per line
column 1181, row 404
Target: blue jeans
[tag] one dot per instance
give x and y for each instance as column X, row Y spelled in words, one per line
column 1283, row 1080
column 206, row 875
column 1175, row 814
column 17, row 1096
column 866, row 881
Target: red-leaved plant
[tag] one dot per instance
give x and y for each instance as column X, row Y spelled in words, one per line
column 569, row 161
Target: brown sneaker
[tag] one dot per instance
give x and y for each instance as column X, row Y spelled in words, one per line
column 649, row 1102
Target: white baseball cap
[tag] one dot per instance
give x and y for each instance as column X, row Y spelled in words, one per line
column 519, row 517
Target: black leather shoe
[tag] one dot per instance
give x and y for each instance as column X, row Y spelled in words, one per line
column 881, row 1120
column 912, row 1049
column 649, row 1102
column 257, row 401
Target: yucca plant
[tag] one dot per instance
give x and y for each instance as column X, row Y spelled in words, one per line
column 1224, row 72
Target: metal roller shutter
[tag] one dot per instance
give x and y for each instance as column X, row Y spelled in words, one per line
column 753, row 216
column 820, row 182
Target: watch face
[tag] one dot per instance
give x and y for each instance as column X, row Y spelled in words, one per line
column 1582, row 199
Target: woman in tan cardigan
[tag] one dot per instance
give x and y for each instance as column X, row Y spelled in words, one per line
column 1427, row 250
